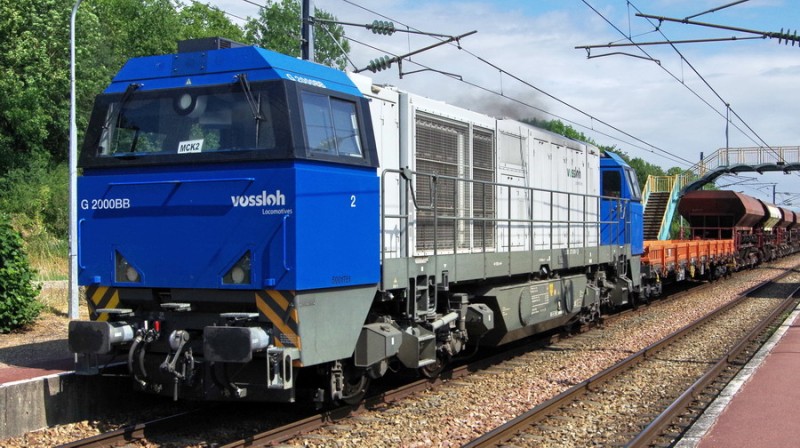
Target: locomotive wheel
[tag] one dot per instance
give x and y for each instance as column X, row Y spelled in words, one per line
column 432, row 370
column 355, row 386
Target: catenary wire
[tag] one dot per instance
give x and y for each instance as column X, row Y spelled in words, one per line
column 664, row 152
column 702, row 78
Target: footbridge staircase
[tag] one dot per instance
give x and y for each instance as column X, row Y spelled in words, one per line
column 660, row 200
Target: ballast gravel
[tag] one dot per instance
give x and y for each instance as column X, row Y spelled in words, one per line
column 461, row 410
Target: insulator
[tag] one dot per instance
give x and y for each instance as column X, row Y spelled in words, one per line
column 786, row 37
column 382, row 27
column 381, row 63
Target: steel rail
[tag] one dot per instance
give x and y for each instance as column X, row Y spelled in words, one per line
column 657, row 427
column 508, row 430
column 318, row 421
column 131, row 432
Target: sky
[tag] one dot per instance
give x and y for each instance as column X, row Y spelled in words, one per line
column 654, row 107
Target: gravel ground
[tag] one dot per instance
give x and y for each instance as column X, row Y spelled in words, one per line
column 624, row 405
column 46, row 339
column 461, row 410
column 465, row 409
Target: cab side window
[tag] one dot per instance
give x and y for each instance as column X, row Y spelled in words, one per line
column 331, row 125
column 633, row 183
column 612, row 183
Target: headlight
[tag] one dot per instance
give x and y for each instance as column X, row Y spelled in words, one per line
column 239, row 273
column 131, row 274
column 125, row 272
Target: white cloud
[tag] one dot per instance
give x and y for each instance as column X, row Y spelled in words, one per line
column 758, row 78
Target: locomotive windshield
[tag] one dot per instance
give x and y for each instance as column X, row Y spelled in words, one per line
column 232, row 117
column 268, row 120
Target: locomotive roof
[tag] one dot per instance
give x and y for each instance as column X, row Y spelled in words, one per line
column 611, row 158
column 216, row 67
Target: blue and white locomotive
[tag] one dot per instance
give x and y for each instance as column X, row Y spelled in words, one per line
column 257, row 227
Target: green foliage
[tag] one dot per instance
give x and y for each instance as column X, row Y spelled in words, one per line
column 644, row 169
column 558, row 127
column 34, row 79
column 36, row 196
column 18, row 304
column 675, row 170
column 278, row 27
column 197, row 20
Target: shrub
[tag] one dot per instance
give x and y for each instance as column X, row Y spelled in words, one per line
column 35, row 195
column 18, row 304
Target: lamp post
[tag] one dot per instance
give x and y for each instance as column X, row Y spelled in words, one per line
column 73, row 175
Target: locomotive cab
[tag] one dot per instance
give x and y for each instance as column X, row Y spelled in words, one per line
column 621, row 225
column 227, row 195
column 621, row 204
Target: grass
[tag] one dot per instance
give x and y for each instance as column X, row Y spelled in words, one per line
column 55, row 301
column 48, row 256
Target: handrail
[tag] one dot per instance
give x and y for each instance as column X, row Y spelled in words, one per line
column 407, row 177
column 666, row 184
column 746, row 156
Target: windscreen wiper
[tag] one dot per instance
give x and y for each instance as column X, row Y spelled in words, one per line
column 255, row 105
column 126, row 96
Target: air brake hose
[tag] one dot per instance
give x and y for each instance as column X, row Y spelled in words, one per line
column 131, row 353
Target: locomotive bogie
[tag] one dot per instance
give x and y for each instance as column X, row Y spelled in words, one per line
column 529, row 308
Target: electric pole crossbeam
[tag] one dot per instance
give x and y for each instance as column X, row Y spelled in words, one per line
column 783, row 37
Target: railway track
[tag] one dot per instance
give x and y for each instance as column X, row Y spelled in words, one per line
column 341, row 419
column 135, row 432
column 146, row 430
column 651, row 397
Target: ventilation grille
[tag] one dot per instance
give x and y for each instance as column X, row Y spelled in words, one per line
column 443, row 148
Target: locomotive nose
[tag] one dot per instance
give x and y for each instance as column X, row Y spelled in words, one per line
column 201, row 226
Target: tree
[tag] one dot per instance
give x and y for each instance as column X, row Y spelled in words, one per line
column 131, row 28
column 644, row 169
column 34, row 80
column 278, row 26
column 675, row 170
column 201, row 20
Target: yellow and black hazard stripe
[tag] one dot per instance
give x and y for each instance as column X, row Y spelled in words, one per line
column 278, row 308
column 100, row 297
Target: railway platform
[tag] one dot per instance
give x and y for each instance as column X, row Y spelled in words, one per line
column 14, row 373
column 38, row 388
column 758, row 408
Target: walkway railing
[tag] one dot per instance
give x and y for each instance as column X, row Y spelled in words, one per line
column 779, row 155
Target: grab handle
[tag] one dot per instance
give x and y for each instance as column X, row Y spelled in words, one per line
column 285, row 244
